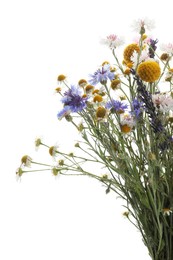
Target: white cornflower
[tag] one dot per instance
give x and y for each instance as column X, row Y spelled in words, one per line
column 143, row 24
column 163, row 102
column 113, row 41
column 167, row 48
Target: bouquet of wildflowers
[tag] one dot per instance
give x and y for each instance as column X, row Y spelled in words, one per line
column 123, row 112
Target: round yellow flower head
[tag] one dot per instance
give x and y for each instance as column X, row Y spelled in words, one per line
column 128, row 52
column 149, row 71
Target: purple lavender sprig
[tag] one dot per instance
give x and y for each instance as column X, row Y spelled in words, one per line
column 152, row 48
column 149, row 107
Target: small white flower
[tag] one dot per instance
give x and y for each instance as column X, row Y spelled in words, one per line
column 53, row 150
column 26, row 161
column 167, row 211
column 19, row 173
column 38, row 142
column 55, row 171
column 113, row 41
column 163, row 102
column 168, row 48
column 144, row 23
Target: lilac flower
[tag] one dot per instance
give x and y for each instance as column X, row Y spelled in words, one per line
column 152, row 48
column 73, row 102
column 101, row 75
column 116, row 106
column 137, row 107
column 158, row 128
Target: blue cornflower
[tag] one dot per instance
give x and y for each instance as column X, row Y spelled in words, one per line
column 101, row 75
column 116, row 106
column 73, row 101
column 137, row 107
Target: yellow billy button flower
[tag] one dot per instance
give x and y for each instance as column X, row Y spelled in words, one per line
column 125, row 128
column 61, row 77
column 98, row 98
column 115, row 84
column 100, row 112
column 149, row 71
column 82, row 82
column 26, row 160
column 128, row 52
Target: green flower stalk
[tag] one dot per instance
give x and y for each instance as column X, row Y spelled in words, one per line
column 125, row 123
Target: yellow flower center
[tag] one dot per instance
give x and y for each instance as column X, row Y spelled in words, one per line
column 52, row 150
column 115, row 84
column 89, row 88
column 61, row 77
column 101, row 112
column 82, row 82
column 125, row 128
column 98, row 98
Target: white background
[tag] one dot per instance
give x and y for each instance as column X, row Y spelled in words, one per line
column 67, row 218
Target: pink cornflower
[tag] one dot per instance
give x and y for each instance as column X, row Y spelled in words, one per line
column 113, row 41
column 163, row 102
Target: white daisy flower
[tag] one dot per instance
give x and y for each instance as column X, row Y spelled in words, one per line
column 127, row 119
column 26, row 161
